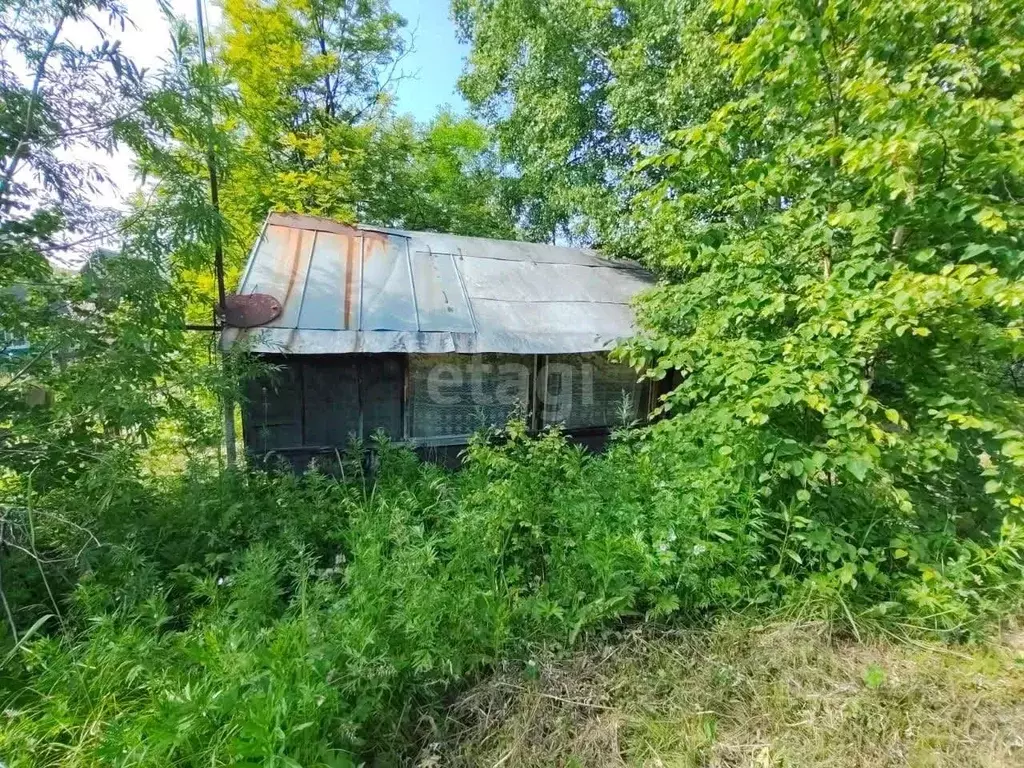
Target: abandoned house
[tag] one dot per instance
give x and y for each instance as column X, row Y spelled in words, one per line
column 428, row 337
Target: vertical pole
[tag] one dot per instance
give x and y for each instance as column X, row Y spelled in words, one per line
column 218, row 254
column 230, row 438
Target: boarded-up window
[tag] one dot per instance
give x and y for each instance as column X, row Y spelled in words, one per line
column 455, row 395
column 581, row 391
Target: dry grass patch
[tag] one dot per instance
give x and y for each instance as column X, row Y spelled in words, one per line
column 781, row 695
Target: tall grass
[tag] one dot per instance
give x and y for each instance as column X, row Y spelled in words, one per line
column 262, row 618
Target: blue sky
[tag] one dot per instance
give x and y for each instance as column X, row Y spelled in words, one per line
column 436, row 60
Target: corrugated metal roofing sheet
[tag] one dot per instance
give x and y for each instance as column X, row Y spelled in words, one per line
column 364, row 289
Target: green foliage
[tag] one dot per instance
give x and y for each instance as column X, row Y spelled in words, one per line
column 847, row 285
column 874, row 677
column 443, row 176
column 99, row 358
column 831, row 193
column 101, row 341
column 300, row 620
column 555, row 95
column 311, row 79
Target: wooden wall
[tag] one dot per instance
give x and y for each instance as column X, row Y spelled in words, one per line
column 312, row 405
column 315, row 403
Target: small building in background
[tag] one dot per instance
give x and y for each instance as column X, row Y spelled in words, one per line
column 429, row 337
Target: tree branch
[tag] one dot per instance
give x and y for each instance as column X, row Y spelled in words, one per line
column 12, row 164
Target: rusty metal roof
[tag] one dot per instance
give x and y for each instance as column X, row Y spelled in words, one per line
column 366, row 289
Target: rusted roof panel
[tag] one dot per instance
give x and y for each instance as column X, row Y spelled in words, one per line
column 363, row 289
column 330, row 296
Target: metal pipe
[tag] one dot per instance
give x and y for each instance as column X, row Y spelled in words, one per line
column 218, row 249
column 211, row 165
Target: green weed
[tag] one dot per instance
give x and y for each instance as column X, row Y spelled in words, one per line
column 274, row 619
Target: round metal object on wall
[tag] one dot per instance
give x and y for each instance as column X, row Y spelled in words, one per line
column 250, row 310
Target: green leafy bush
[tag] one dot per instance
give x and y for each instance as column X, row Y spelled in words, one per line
column 273, row 619
column 831, row 192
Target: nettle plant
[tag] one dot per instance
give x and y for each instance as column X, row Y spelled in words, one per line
column 842, row 220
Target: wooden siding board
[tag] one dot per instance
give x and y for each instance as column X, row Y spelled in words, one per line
column 330, row 400
column 274, row 409
column 381, row 384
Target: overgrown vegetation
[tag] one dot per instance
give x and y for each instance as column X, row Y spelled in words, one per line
column 277, row 619
column 830, row 192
